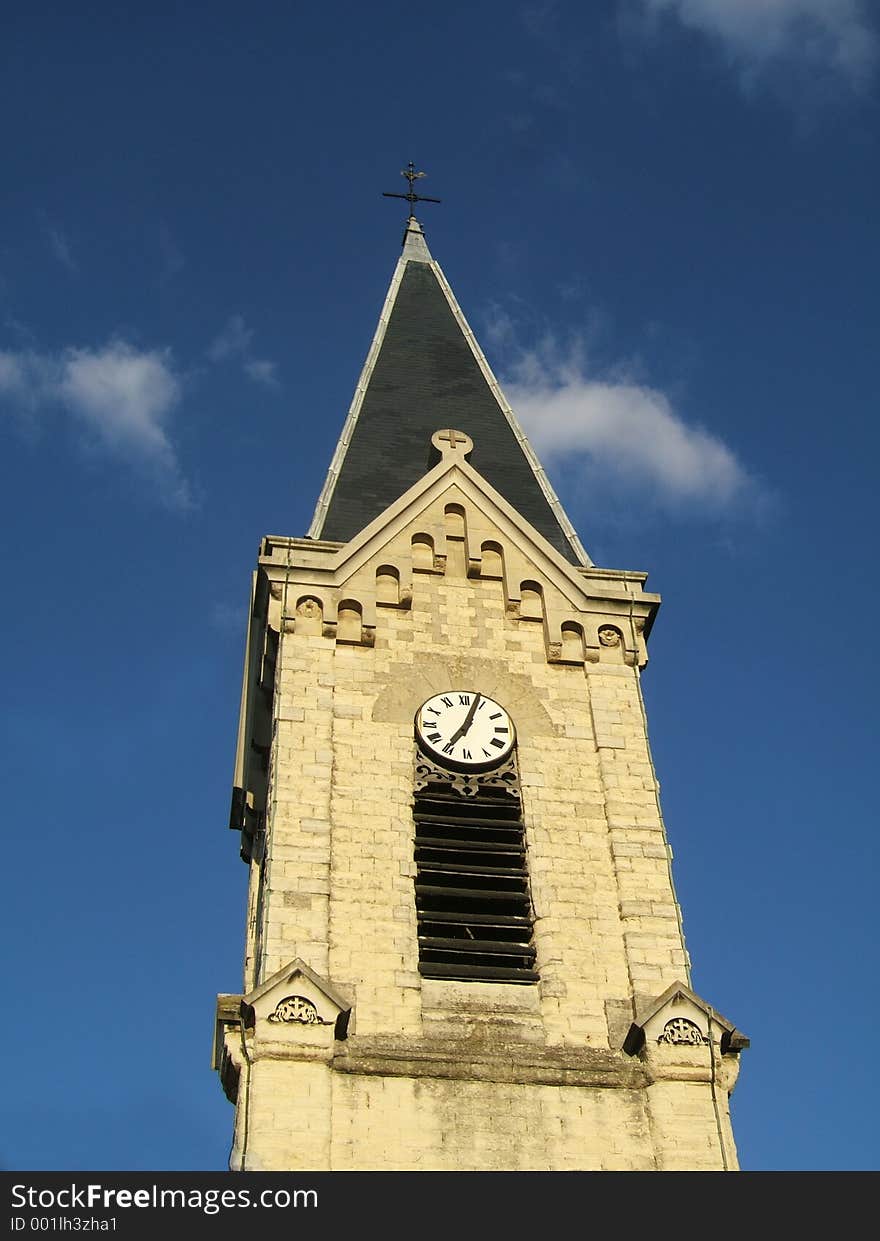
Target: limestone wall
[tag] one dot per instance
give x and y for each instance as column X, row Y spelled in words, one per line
column 454, row 595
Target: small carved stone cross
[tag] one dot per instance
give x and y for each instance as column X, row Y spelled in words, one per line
column 449, row 440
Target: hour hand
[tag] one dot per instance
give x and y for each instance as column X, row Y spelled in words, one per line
column 468, row 720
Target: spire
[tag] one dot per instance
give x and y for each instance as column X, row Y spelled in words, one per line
column 424, row 371
column 414, row 244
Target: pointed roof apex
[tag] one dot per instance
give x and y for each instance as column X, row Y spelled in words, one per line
column 414, row 244
column 426, row 370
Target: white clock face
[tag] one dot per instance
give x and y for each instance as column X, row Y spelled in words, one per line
column 461, row 728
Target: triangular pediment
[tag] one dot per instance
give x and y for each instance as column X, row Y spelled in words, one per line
column 296, row 995
column 680, row 1017
column 453, row 522
column 454, row 479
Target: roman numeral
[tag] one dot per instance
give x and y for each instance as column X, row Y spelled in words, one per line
column 466, row 753
column 446, row 701
column 495, row 741
column 502, row 730
column 464, row 700
column 450, row 746
column 496, row 716
column 434, row 737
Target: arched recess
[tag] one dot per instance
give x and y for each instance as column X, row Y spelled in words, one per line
column 456, row 540
column 422, row 551
column 572, row 643
column 611, row 644
column 531, row 601
column 455, row 521
column 387, row 585
column 309, row 615
column 492, row 557
column 349, row 621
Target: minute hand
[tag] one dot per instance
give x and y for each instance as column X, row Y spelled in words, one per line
column 468, row 720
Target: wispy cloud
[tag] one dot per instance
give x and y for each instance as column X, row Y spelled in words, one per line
column 613, row 428
column 233, row 343
column 119, row 398
column 27, row 380
column 59, row 244
column 823, row 35
column 262, row 372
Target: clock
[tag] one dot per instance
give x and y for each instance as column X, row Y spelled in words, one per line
column 461, row 728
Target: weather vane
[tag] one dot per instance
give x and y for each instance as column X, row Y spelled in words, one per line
column 412, row 198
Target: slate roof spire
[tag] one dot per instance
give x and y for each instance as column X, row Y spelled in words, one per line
column 424, row 371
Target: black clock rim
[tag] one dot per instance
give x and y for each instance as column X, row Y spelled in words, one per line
column 459, row 764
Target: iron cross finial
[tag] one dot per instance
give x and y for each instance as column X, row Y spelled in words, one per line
column 412, row 198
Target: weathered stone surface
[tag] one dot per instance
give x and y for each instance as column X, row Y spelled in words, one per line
column 468, row 1075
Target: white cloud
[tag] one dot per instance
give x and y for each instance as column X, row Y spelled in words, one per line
column 262, row 372
column 234, row 342
column 826, row 34
column 625, row 431
column 11, row 377
column 122, row 396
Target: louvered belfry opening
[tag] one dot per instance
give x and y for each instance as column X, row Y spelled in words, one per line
column 472, row 890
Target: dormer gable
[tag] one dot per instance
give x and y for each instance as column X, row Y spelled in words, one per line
column 680, row 1019
column 295, row 996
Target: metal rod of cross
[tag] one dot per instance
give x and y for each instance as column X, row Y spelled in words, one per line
column 412, row 198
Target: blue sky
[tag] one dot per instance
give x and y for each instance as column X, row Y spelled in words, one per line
column 660, row 217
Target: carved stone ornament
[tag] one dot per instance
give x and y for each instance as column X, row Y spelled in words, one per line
column 609, row 636
column 307, row 607
column 466, row 783
column 680, row 1030
column 297, row 1008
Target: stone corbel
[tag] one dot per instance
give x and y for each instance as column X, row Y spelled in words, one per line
column 225, row 1059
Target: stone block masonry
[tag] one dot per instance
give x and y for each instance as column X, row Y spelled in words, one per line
column 464, row 1074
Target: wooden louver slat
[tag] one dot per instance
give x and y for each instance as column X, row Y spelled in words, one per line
column 472, row 899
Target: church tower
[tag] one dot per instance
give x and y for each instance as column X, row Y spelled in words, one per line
column 463, row 946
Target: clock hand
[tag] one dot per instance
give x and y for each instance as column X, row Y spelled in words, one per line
column 468, row 720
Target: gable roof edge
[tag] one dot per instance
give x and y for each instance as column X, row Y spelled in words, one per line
column 323, row 505
column 504, row 405
column 349, row 556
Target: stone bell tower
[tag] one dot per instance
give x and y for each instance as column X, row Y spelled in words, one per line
column 463, row 946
